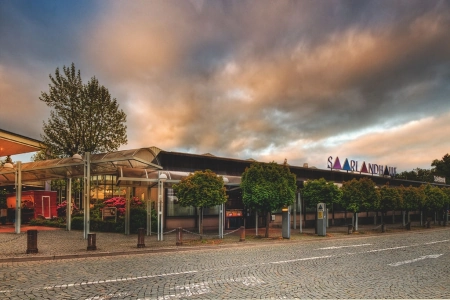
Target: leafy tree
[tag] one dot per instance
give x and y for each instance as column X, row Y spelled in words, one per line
column 390, row 199
column 202, row 189
column 413, row 198
column 267, row 187
column 435, row 198
column 442, row 167
column 418, row 174
column 84, row 117
column 320, row 191
column 359, row 195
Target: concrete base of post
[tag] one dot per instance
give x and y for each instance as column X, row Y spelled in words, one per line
column 32, row 241
column 350, row 229
column 179, row 236
column 242, row 238
column 141, row 238
column 92, row 240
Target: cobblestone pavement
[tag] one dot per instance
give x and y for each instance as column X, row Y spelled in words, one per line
column 411, row 264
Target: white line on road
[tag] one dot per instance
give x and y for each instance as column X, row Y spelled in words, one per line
column 435, row 242
column 339, row 247
column 414, row 260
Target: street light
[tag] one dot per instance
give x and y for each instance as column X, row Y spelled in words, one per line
column 161, row 178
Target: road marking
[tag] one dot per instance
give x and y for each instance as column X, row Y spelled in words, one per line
column 414, row 260
column 339, row 247
column 188, row 290
column 393, row 248
column 299, row 259
column 435, row 242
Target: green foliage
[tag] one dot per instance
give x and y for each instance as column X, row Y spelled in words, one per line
column 360, row 195
column 418, row 174
column 435, row 198
column 390, row 198
column 201, row 189
column 413, row 197
column 268, row 186
column 320, row 191
column 442, row 167
column 84, row 117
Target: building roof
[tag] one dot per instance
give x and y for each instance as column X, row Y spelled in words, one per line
column 12, row 143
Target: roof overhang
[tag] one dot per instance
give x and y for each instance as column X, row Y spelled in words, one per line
column 101, row 164
column 11, row 144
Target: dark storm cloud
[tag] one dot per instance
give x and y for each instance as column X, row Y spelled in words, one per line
column 253, row 79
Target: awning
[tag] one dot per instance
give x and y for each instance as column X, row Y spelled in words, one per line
column 101, row 164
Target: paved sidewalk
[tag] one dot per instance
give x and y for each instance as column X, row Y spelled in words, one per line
column 54, row 243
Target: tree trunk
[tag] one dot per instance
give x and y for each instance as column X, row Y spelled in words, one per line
column 267, row 224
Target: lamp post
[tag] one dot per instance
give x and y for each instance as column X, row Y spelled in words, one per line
column 161, row 178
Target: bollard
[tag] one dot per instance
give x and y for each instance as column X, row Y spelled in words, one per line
column 32, row 241
column 179, row 236
column 408, row 226
column 383, row 227
column 242, row 239
column 141, row 235
column 350, row 229
column 91, row 242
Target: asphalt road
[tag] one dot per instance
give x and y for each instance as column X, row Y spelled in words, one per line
column 408, row 265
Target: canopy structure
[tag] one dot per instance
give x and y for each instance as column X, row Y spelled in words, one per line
column 76, row 166
column 100, row 164
column 11, row 144
column 143, row 177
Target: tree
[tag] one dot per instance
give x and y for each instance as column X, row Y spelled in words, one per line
column 390, row 199
column 359, row 195
column 435, row 199
column 418, row 174
column 84, row 117
column 413, row 199
column 442, row 167
column 267, row 187
column 202, row 189
column 320, row 191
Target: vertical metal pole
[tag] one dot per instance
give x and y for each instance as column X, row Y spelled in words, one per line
column 162, row 210
column 256, row 223
column 69, row 204
column 127, row 211
column 220, row 221
column 295, row 214
column 87, row 192
column 159, row 208
column 18, row 173
column 300, row 211
column 149, row 213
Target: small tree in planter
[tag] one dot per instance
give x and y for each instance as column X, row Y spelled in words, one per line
column 201, row 189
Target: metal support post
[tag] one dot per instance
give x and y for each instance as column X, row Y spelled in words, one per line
column 127, row 211
column 149, row 213
column 69, row 204
column 18, row 217
column 87, row 192
column 300, row 210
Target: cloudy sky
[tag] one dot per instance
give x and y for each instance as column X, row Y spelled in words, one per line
column 268, row 80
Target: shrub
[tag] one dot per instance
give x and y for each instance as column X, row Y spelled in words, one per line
column 61, row 209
